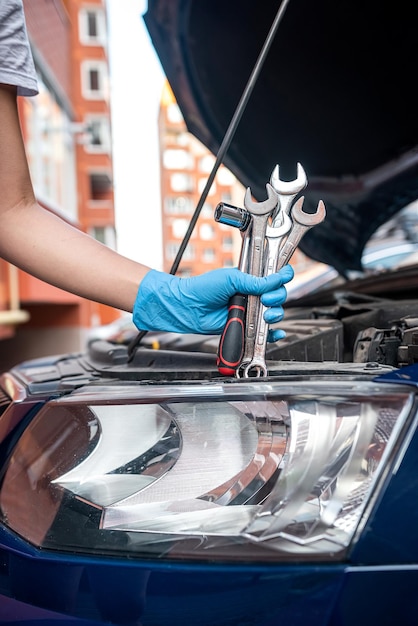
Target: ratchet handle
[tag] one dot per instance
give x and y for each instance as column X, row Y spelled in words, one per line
column 231, row 345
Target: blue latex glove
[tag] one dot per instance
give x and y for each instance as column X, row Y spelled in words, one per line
column 199, row 304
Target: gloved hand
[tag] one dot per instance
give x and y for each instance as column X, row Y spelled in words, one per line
column 199, row 304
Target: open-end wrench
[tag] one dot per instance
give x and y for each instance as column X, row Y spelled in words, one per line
column 260, row 213
column 288, row 190
column 302, row 222
column 274, row 236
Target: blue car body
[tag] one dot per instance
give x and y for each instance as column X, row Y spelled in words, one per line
column 73, row 576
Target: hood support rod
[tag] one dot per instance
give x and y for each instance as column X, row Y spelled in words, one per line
column 230, row 132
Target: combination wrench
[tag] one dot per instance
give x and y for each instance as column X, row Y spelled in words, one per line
column 274, row 237
column 260, row 213
column 288, row 190
column 280, row 256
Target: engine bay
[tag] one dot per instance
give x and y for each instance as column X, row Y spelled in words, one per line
column 355, row 334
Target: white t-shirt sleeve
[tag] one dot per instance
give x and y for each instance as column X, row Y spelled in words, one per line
column 16, row 62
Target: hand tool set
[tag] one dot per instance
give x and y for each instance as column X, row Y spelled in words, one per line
column 271, row 231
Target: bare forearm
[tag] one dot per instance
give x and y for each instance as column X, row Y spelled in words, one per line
column 49, row 248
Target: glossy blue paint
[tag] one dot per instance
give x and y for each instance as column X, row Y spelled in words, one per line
column 158, row 593
column 390, row 535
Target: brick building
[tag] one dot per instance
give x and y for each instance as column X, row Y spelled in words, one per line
column 67, row 136
column 185, row 167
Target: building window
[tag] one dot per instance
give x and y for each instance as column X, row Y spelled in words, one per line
column 225, row 177
column 181, row 182
column 174, row 114
column 179, row 228
column 202, row 184
column 92, row 25
column 227, row 243
column 97, row 134
column 226, row 197
column 94, row 81
column 206, row 163
column 207, row 210
column 183, row 139
column 206, row 232
column 104, row 234
column 100, row 185
column 176, row 138
column 178, row 205
column 208, row 255
column 229, row 263
column 173, row 248
column 177, row 160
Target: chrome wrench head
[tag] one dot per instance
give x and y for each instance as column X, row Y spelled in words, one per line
column 299, row 216
column 291, row 187
column 288, row 190
column 278, row 231
column 261, row 208
column 302, row 222
column 260, row 213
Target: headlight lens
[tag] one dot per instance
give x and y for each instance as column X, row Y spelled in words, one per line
column 198, row 474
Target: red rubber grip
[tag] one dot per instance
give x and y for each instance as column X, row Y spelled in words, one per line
column 231, row 345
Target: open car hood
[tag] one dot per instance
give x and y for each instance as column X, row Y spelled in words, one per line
column 335, row 94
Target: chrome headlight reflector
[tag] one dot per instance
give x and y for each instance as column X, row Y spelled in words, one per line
column 229, row 472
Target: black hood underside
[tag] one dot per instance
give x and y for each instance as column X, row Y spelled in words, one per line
column 336, row 94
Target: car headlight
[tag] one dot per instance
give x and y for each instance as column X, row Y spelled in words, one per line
column 235, row 471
